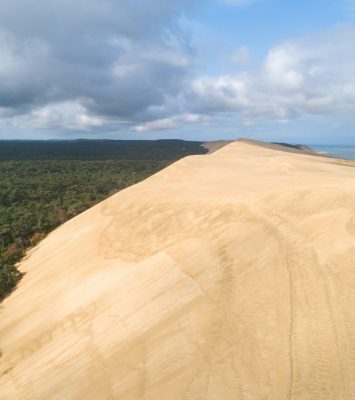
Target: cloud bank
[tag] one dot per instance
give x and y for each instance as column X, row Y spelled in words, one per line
column 116, row 59
column 93, row 65
column 311, row 76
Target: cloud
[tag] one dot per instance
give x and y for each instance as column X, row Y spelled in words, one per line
column 284, row 69
column 121, row 56
column 69, row 114
column 99, row 64
column 312, row 76
column 174, row 122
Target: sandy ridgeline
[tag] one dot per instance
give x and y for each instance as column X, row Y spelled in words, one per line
column 229, row 276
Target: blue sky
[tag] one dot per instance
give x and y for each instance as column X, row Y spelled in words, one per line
column 261, row 25
column 206, row 70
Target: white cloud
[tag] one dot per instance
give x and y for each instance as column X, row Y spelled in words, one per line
column 284, row 69
column 312, row 76
column 157, row 125
column 223, row 93
column 174, row 122
column 123, row 58
column 114, row 62
column 70, row 114
column 309, row 77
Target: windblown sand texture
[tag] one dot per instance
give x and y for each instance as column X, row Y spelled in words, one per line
column 228, row 276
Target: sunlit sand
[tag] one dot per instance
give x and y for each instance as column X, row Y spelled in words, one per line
column 223, row 277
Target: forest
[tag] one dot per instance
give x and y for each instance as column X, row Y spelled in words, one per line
column 45, row 183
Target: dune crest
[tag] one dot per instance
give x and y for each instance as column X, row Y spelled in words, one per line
column 223, row 277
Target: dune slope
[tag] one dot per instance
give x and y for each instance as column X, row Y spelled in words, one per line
column 225, row 276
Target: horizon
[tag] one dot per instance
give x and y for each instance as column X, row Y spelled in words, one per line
column 121, row 70
column 174, row 139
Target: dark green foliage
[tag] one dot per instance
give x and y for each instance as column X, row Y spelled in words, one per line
column 43, row 184
column 98, row 150
column 9, row 276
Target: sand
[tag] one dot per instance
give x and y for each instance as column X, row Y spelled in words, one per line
column 215, row 145
column 226, row 276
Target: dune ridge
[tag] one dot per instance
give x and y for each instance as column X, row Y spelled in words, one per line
column 225, row 276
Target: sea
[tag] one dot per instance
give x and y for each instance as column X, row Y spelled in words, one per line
column 347, row 152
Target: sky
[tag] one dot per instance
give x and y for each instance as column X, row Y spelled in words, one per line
column 198, row 70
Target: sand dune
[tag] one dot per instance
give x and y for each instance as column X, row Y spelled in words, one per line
column 215, row 145
column 229, row 276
